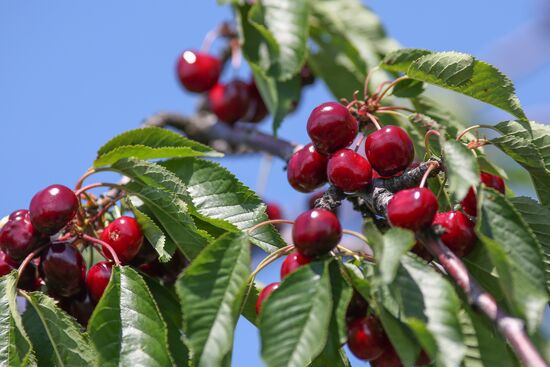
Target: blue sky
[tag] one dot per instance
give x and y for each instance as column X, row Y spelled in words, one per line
column 74, row 74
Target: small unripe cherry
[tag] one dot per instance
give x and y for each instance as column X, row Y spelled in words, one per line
column 459, row 234
column 307, row 169
column 18, row 237
column 292, row 262
column 469, row 203
column 98, row 278
column 229, row 102
column 389, row 150
column 264, row 294
column 52, row 208
column 197, row 71
column 124, row 236
column 412, row 209
column 63, row 270
column 331, row 127
column 316, row 232
column 348, row 171
column 366, row 338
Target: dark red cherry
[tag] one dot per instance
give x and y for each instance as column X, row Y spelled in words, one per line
column 18, row 237
column 366, row 338
column 53, row 208
column 146, row 254
column 348, row 171
column 198, row 72
column 98, row 279
column 458, row 235
column 27, row 280
column 316, row 232
column 357, row 307
column 331, row 127
column 257, row 109
column 124, row 236
column 273, row 211
column 229, row 102
column 389, row 150
column 389, row 358
column 306, row 75
column 168, row 272
column 6, row 266
column 413, row 209
column 264, row 294
column 469, row 203
column 18, row 213
column 80, row 307
column 421, row 251
column 307, row 169
column 292, row 262
column 423, row 359
column 63, row 270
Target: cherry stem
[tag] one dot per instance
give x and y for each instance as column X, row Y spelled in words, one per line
column 359, row 142
column 346, row 251
column 367, row 81
column 391, row 112
column 235, row 53
column 431, row 166
column 393, row 108
column 97, row 241
column 356, row 234
column 470, row 128
column 390, row 86
column 86, row 174
column 427, row 140
column 106, row 207
column 209, row 39
column 269, row 259
column 272, row 221
column 374, row 121
column 95, row 185
column 28, row 259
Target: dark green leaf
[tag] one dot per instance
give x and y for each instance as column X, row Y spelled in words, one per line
column 408, row 88
column 400, row 60
column 248, row 307
column 462, row 168
column 443, row 118
column 211, row 291
column 152, row 233
column 126, row 326
column 400, row 336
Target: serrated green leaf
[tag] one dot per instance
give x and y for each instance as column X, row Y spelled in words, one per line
column 126, row 326
column 408, row 88
column 462, row 169
column 211, row 291
column 152, row 233
column 150, row 143
column 515, row 252
column 445, row 68
column 55, row 336
column 399, row 61
column 444, row 118
column 295, row 318
column 15, row 346
column 248, row 307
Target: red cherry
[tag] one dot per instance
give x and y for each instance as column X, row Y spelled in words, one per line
column 307, row 169
column 63, row 270
column 273, row 211
column 348, row 171
column 264, row 294
column 357, row 307
column 197, row 71
column 292, row 262
column 257, row 109
column 5, row 266
column 389, row 358
column 459, row 235
column 389, row 150
column 229, row 102
column 366, row 338
column 306, row 75
column 413, row 209
column 421, row 251
column 53, row 208
column 469, row 203
column 146, row 254
column 331, row 127
column 124, row 236
column 316, row 232
column 18, row 237
column 98, row 279
column 80, row 307
column 423, row 359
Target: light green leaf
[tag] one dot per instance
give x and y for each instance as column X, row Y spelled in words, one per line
column 462, row 168
column 408, row 88
column 211, row 291
column 152, row 233
column 248, row 307
column 126, row 326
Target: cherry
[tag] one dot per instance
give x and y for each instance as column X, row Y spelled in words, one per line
column 413, row 209
column 307, row 169
column 421, row 251
column 80, row 307
column 27, row 280
column 273, row 211
column 6, row 264
column 257, row 109
column 146, row 254
column 389, row 150
column 52, row 208
column 197, row 71
column 124, row 236
column 264, row 294
column 469, row 203
column 390, row 358
column 168, row 272
column 63, row 270
column 459, row 235
column 366, row 338
column 229, row 102
column 357, row 307
column 292, row 262
column 331, row 127
column 98, row 279
column 348, row 171
column 316, row 232
column 306, row 75
column 18, row 237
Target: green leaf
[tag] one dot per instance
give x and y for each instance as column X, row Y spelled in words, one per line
column 462, row 168
column 485, row 165
column 15, row 346
column 248, row 307
column 152, row 233
column 126, row 326
column 295, row 318
column 55, row 336
column 458, row 72
column 515, row 252
column 211, row 291
column 400, row 337
column 150, row 143
column 217, row 193
column 439, row 114
column 528, row 143
column 408, row 88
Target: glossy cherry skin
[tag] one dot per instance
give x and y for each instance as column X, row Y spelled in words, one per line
column 18, row 237
column 257, row 109
column 366, row 338
column 264, row 294
column 331, row 127
column 307, row 169
column 316, row 232
column 52, row 208
column 357, row 307
column 198, row 72
column 6, row 266
column 98, row 279
column 412, row 209
column 458, row 235
column 124, row 236
column 80, row 307
column 229, row 102
column 63, row 270
column 27, row 280
column 389, row 150
column 292, row 262
column 469, row 203
column 273, row 211
column 348, row 171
